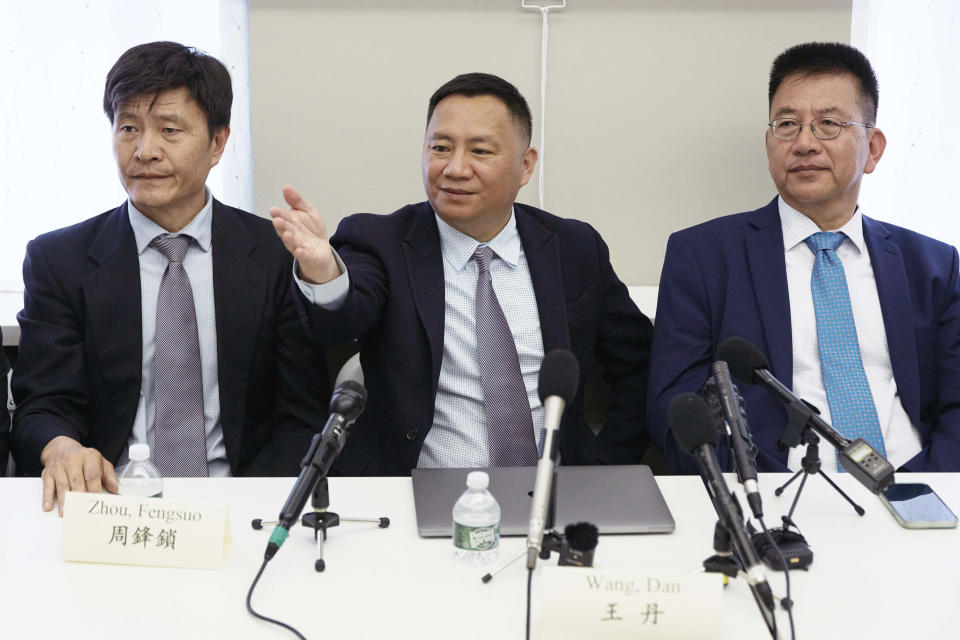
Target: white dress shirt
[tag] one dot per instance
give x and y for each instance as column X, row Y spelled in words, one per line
column 458, row 436
column 901, row 439
column 198, row 264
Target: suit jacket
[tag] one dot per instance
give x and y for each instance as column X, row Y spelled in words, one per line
column 395, row 305
column 78, row 371
column 727, row 277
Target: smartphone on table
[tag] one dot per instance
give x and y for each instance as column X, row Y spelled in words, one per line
column 917, row 506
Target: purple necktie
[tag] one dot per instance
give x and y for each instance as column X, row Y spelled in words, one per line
column 509, row 422
column 180, row 437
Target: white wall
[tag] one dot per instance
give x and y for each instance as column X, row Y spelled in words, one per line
column 915, row 49
column 56, row 158
column 656, row 109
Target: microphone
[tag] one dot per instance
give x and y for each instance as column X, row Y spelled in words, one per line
column 557, row 385
column 692, row 424
column 858, row 458
column 738, row 434
column 347, row 402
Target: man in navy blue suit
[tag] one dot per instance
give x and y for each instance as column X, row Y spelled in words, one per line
column 758, row 275
column 168, row 320
column 413, row 286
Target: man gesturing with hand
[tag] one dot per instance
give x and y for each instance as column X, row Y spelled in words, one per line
column 456, row 300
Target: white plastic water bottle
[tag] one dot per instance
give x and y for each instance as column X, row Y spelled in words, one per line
column 140, row 477
column 476, row 521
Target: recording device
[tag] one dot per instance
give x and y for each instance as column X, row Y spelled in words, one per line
column 346, row 404
column 857, row 457
column 557, row 385
column 782, row 546
column 575, row 547
column 692, row 424
column 917, row 506
column 724, row 400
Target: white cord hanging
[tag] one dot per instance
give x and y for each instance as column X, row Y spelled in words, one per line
column 544, row 10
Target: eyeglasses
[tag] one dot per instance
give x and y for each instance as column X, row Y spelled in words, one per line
column 822, row 128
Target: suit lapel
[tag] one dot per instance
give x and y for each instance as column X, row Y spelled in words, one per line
column 541, row 248
column 421, row 252
column 896, row 306
column 768, row 270
column 239, row 294
column 112, row 294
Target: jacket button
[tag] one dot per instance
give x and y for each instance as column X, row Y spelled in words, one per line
column 412, row 434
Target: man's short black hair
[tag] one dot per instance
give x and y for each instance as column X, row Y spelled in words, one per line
column 149, row 69
column 486, row 84
column 812, row 58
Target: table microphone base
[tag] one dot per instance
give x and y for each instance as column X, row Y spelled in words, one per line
column 320, row 520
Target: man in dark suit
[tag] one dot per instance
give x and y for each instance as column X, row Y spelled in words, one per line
column 415, row 288
column 168, row 320
column 859, row 317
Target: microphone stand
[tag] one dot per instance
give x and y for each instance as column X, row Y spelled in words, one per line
column 810, row 465
column 546, row 546
column 726, row 562
column 553, row 542
column 799, row 416
column 320, row 519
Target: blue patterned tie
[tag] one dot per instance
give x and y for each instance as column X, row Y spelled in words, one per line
column 509, row 422
column 180, row 440
column 848, row 392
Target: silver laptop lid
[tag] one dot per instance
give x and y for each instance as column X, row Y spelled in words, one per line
column 616, row 498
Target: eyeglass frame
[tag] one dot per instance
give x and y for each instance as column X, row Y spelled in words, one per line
column 843, row 125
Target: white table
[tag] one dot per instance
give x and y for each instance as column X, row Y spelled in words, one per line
column 870, row 578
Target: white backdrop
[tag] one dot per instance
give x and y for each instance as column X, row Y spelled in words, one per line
column 56, row 160
column 915, row 49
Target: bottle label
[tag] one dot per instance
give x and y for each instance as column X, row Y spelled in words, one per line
column 476, row 538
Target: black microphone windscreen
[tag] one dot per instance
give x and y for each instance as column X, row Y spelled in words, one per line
column 559, row 375
column 582, row 536
column 349, row 399
column 742, row 357
column 691, row 422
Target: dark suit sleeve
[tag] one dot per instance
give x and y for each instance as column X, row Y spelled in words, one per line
column 623, row 350
column 682, row 345
column 941, row 449
column 366, row 296
column 301, row 390
column 49, row 382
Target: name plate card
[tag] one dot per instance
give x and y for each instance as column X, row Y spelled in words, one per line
column 105, row 528
column 597, row 604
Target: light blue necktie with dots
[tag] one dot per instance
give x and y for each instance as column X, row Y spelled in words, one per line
column 848, row 393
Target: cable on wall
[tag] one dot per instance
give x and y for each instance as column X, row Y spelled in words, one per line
column 544, row 10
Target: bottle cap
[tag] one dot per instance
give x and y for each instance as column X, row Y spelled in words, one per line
column 478, row 480
column 139, row 452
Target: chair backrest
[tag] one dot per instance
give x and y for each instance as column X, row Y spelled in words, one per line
column 338, row 355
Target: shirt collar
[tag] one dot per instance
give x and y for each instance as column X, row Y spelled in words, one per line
column 797, row 227
column 457, row 247
column 145, row 229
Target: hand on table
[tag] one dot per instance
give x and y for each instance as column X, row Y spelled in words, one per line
column 70, row 466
